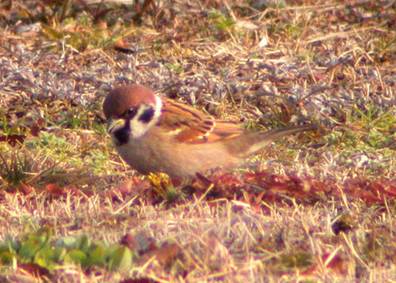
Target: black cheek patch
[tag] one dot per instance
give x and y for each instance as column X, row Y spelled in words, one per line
column 147, row 115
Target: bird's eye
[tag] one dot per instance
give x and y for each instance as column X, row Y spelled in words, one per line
column 131, row 112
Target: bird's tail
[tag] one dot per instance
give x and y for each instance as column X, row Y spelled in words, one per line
column 253, row 142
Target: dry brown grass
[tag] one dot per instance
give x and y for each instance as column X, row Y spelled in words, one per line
column 326, row 62
column 225, row 240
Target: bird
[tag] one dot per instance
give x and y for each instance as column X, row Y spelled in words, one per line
column 156, row 134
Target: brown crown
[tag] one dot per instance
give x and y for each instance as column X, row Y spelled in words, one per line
column 120, row 99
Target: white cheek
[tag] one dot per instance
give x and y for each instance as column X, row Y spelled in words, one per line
column 139, row 128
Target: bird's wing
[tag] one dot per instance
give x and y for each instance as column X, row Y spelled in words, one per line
column 190, row 125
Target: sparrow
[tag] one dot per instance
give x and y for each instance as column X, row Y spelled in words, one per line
column 156, row 134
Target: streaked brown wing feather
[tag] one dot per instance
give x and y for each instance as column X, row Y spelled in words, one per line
column 227, row 129
column 192, row 126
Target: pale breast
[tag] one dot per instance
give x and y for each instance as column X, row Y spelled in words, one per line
column 158, row 153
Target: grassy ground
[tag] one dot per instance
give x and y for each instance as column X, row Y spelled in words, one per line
column 317, row 207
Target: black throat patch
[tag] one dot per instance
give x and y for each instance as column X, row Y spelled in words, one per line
column 122, row 134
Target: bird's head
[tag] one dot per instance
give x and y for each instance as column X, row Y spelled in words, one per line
column 130, row 112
